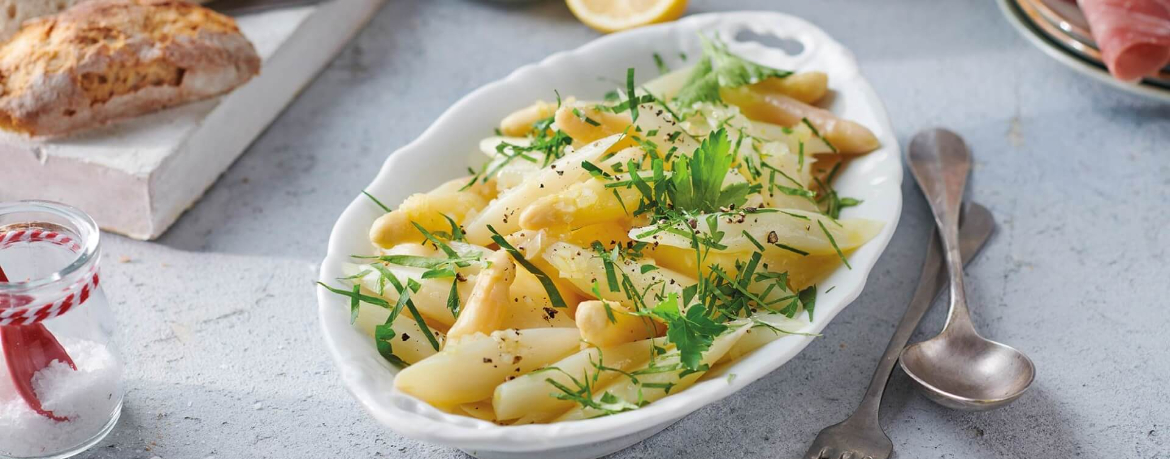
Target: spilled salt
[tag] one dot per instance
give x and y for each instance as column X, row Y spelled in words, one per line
column 86, row 397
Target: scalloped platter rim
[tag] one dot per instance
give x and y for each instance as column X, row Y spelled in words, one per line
column 437, row 156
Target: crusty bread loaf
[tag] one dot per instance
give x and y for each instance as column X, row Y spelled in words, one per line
column 103, row 60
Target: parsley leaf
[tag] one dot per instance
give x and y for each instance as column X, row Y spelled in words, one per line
column 808, row 298
column 697, row 181
column 701, row 85
column 383, row 334
column 692, row 333
column 720, row 69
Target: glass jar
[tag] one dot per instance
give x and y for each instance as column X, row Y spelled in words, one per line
column 60, row 374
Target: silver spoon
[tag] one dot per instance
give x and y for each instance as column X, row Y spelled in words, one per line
column 861, row 436
column 958, row 368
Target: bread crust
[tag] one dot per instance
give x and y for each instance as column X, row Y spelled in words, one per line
column 103, row 60
column 15, row 12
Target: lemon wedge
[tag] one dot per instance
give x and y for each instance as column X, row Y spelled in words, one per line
column 614, row 15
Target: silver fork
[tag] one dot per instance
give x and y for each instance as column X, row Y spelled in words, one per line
column 861, row 436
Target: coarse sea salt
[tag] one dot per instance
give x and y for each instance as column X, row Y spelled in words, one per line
column 87, row 397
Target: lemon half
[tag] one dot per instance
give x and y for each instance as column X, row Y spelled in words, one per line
column 614, row 15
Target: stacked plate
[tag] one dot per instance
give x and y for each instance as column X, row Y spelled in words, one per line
column 1059, row 29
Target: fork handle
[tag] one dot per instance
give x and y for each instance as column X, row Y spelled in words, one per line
column 978, row 224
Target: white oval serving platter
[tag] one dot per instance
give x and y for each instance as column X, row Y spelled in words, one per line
column 441, row 153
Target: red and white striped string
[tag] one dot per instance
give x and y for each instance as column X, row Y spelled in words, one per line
column 70, row 297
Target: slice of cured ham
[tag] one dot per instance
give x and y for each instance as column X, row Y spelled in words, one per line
column 1133, row 35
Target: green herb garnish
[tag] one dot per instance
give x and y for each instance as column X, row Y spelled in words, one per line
column 808, row 298
column 816, row 133
column 658, row 62
column 376, row 201
column 691, row 332
column 720, row 69
column 633, row 99
column 554, row 296
column 791, row 249
column 595, row 171
column 697, row 181
column 354, row 304
column 453, row 298
column 834, row 243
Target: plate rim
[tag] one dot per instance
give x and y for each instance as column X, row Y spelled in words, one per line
column 1021, row 23
column 474, row 434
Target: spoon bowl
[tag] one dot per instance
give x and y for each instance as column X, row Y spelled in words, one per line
column 968, row 372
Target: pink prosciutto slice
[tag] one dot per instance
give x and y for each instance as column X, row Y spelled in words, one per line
column 1133, row 35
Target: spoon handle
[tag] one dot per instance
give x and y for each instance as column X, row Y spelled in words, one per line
column 940, row 162
column 978, row 225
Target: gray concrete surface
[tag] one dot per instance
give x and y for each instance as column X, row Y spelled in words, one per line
column 219, row 323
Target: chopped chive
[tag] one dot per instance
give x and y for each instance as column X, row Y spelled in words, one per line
column 474, row 178
column 418, row 318
column 359, row 275
column 581, row 116
column 415, row 261
column 554, row 296
column 386, row 275
column 607, row 262
column 354, row 304
column 595, row 171
column 791, row 249
column 754, row 241
column 633, row 100
column 609, row 312
column 757, row 323
column 834, row 243
column 376, row 201
column 800, row 157
column 438, row 273
column 440, row 244
column 366, row 298
column 453, row 298
column 818, row 134
column 658, row 62
column 794, row 191
column 456, row 231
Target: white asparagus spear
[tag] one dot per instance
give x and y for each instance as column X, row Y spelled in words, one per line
column 627, row 391
column 801, row 230
column 469, row 369
column 530, row 396
column 503, row 213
